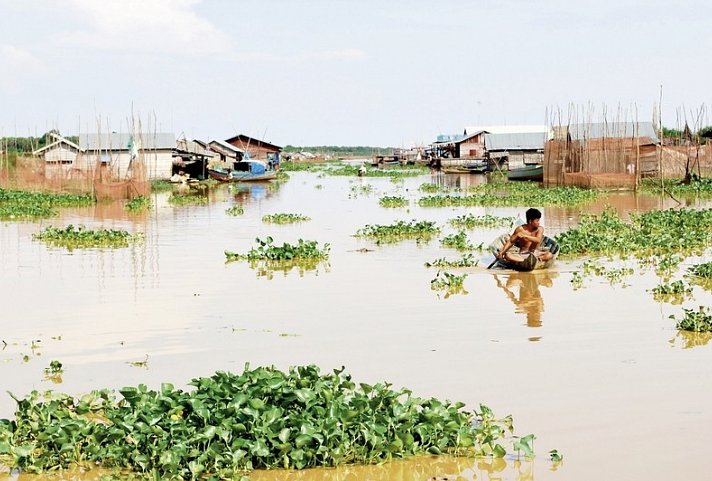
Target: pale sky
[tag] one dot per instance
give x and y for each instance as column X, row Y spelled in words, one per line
column 338, row 72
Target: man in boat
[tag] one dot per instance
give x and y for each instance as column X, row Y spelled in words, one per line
column 527, row 238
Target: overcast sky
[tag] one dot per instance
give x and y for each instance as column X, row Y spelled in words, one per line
column 346, row 72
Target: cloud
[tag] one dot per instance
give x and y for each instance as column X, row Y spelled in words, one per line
column 14, row 58
column 349, row 54
column 156, row 26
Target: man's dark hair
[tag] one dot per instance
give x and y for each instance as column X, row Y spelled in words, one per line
column 533, row 214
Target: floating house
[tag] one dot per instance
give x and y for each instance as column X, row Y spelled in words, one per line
column 60, row 151
column 517, row 150
column 256, row 149
column 116, row 153
column 226, row 152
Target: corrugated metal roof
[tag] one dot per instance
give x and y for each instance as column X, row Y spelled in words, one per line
column 526, row 141
column 192, row 147
column 509, row 129
column 226, row 146
column 600, row 130
column 119, row 141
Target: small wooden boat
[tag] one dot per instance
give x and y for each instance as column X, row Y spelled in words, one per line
column 529, row 172
column 525, row 261
column 470, row 168
column 243, row 171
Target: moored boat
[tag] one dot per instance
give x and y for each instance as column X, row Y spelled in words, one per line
column 243, row 171
column 529, row 172
column 525, row 261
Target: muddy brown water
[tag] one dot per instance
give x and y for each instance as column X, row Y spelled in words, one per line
column 598, row 373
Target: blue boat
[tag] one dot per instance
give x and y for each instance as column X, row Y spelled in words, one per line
column 243, row 171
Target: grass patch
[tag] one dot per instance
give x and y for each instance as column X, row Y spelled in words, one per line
column 187, row 199
column 393, row 201
column 695, row 321
column 470, row 221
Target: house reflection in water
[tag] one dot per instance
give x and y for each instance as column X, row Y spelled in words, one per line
column 522, row 288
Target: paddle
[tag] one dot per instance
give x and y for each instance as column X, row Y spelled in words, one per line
column 497, row 258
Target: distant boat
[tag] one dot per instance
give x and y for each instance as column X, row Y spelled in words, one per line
column 243, row 171
column 529, row 172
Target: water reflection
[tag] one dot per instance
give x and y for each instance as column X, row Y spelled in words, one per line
column 689, row 339
column 422, row 468
column 522, row 288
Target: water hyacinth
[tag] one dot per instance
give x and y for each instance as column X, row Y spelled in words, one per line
column 658, row 233
column 231, row 423
column 82, row 238
column 284, row 218
column 21, row 205
column 267, row 250
column 420, row 230
column 393, row 201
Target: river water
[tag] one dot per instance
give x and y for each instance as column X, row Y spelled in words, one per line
column 598, row 373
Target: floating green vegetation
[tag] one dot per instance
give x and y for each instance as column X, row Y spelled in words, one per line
column 54, row 372
column 697, row 187
column 457, row 241
column 82, row 238
column 422, row 230
column 591, row 268
column 161, row 186
column 703, row 271
column 362, row 189
column 285, row 218
column 288, row 166
column 701, row 275
column 673, row 293
column 22, row 205
column 401, row 171
column 138, row 204
column 429, row 188
column 695, row 321
column 512, row 194
column 451, row 283
column 231, row 423
column 179, row 199
column 393, row 201
column 660, row 233
column 235, row 210
column 470, row 221
column 467, row 260
column 266, row 250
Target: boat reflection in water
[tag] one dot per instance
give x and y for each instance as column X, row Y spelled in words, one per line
column 522, row 288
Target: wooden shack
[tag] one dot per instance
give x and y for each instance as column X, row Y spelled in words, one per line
column 604, row 154
column 256, row 149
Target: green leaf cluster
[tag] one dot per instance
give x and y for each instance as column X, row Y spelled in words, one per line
column 393, row 201
column 81, row 237
column 471, row 221
column 138, row 204
column 695, row 321
column 231, row 423
column 401, row 230
column 659, row 233
column 235, row 210
column 467, row 260
column 17, row 204
column 266, row 250
column 285, row 218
